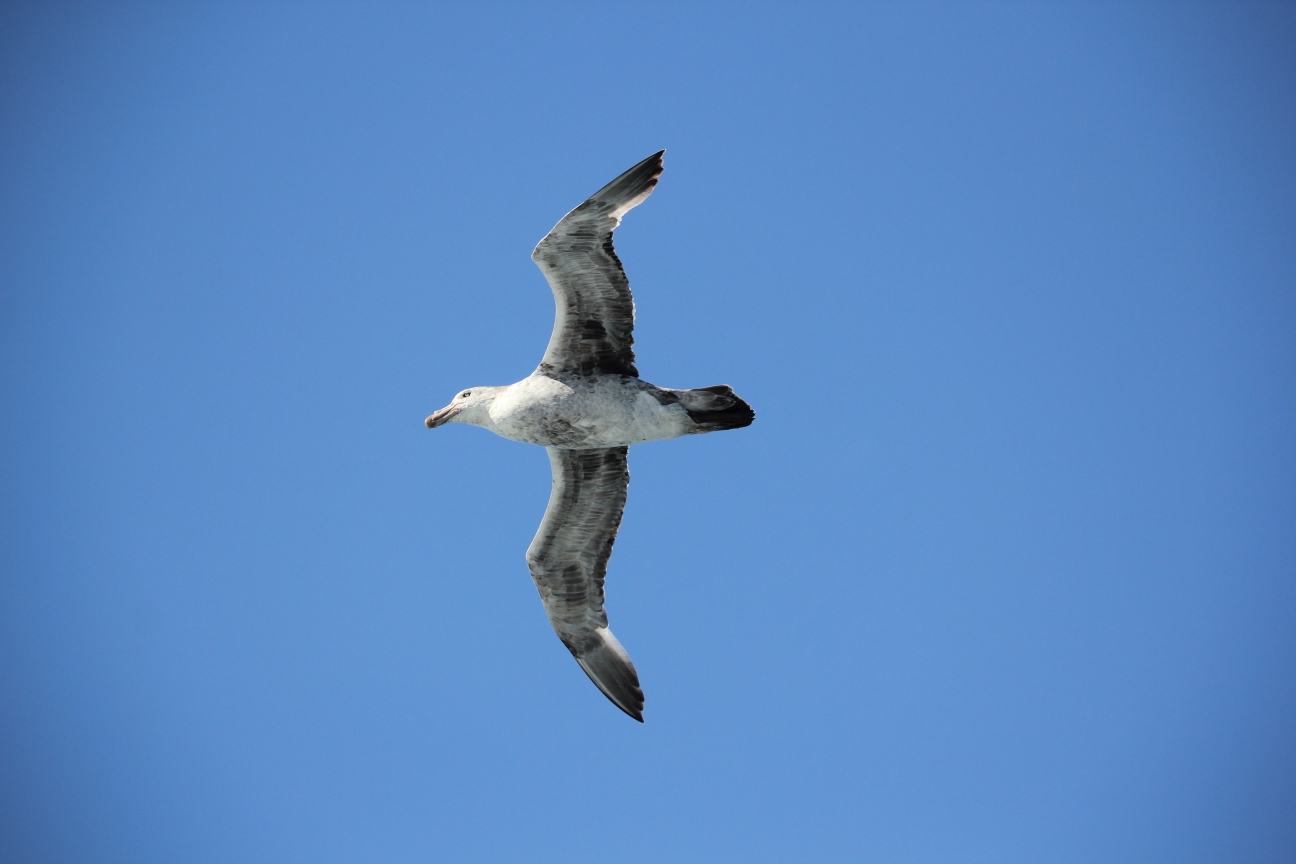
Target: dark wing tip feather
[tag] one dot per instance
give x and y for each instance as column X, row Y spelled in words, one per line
column 609, row 667
column 634, row 183
column 628, row 698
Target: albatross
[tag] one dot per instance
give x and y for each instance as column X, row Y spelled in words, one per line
column 586, row 404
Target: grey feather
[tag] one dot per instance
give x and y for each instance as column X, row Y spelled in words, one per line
column 568, row 561
column 594, row 323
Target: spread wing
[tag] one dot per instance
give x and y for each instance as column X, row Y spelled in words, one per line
column 568, row 560
column 592, row 332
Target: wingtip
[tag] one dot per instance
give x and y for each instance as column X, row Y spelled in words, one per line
column 630, row 711
column 632, row 186
column 629, row 699
column 657, row 160
column 609, row 666
column 656, row 157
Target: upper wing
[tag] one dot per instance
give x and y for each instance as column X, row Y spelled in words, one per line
column 568, row 560
column 592, row 332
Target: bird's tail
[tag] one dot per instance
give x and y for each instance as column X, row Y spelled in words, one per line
column 715, row 408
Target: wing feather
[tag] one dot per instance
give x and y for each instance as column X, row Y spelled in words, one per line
column 568, row 561
column 594, row 323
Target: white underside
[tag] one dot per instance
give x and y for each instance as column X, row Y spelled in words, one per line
column 583, row 414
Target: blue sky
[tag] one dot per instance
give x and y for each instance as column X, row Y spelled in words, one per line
column 1003, row 572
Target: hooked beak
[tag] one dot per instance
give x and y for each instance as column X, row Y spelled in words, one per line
column 441, row 417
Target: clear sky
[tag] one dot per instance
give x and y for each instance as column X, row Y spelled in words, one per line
column 1005, row 571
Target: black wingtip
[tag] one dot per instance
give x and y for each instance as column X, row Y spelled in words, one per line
column 629, row 710
column 625, row 695
column 634, row 182
column 609, row 667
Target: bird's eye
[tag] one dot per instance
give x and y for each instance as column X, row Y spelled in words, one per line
column 465, row 394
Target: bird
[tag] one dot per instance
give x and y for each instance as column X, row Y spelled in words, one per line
column 586, row 405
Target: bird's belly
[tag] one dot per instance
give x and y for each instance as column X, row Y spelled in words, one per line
column 553, row 414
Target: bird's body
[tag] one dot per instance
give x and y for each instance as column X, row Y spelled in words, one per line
column 582, row 412
column 587, row 405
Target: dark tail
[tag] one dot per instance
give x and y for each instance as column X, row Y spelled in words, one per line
column 715, row 408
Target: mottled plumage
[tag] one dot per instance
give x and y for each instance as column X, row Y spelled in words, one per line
column 586, row 404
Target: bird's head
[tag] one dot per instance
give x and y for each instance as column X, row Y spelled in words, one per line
column 470, row 406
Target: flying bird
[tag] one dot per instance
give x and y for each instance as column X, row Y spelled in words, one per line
column 586, row 405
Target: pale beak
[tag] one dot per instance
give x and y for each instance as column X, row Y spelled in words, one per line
column 441, row 417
